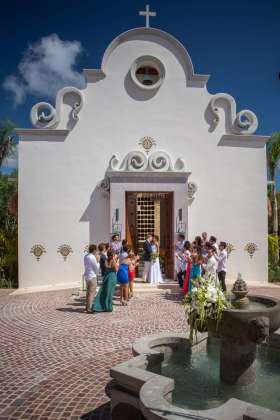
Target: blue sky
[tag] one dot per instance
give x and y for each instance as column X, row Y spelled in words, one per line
column 238, row 43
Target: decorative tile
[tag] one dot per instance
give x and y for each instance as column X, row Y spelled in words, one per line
column 37, row 250
column 229, row 248
column 147, row 143
column 251, row 248
column 64, row 250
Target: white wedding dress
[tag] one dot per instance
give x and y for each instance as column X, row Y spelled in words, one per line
column 155, row 275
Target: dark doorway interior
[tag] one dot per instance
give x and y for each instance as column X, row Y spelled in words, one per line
column 151, row 212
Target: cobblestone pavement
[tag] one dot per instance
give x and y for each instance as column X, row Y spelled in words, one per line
column 55, row 359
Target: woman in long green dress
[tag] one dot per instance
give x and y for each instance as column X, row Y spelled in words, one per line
column 104, row 299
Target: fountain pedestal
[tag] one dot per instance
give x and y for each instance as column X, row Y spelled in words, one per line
column 237, row 361
column 241, row 330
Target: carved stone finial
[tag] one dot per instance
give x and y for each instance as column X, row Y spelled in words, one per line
column 240, row 291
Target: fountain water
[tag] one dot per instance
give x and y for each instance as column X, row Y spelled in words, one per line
column 173, row 378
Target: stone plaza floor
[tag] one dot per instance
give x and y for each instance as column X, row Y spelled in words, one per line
column 55, row 358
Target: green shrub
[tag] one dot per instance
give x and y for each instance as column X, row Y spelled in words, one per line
column 9, row 259
column 273, row 273
column 273, row 249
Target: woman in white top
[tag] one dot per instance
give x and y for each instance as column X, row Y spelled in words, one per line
column 222, row 265
column 155, row 275
column 211, row 265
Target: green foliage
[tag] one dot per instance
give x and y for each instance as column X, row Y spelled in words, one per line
column 273, row 248
column 9, row 257
column 273, row 153
column 8, row 232
column 273, row 272
column 7, row 140
column 8, row 223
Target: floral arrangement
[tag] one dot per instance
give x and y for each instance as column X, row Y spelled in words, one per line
column 205, row 302
column 154, row 256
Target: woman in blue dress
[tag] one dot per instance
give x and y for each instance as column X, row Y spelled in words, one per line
column 123, row 279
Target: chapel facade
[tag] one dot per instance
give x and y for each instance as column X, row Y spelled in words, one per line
column 144, row 147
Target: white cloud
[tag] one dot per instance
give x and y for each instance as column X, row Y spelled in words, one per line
column 46, row 66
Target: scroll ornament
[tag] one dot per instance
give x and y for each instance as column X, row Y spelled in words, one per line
column 137, row 161
column 243, row 122
column 51, row 119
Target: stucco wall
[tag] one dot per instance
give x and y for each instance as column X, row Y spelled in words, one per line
column 58, row 175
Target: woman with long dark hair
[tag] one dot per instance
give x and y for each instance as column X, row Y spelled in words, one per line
column 104, row 298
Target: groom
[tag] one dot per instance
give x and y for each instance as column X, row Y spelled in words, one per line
column 147, row 256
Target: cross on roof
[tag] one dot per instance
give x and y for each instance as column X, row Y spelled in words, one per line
column 147, row 13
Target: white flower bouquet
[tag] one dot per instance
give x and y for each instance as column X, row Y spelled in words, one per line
column 154, row 256
column 205, row 302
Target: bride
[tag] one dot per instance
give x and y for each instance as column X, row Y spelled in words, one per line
column 155, row 275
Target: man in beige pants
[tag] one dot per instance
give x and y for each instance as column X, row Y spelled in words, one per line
column 91, row 262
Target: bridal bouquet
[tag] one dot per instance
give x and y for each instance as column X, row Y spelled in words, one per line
column 154, row 256
column 205, row 302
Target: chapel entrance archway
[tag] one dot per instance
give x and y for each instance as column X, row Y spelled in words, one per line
column 152, row 212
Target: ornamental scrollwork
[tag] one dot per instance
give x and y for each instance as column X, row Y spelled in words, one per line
column 44, row 115
column 243, row 122
column 192, row 189
column 104, row 185
column 37, row 250
column 137, row 161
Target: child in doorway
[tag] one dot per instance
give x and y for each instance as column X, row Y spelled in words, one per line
column 134, row 261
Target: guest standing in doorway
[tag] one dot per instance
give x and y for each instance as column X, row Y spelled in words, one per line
column 92, row 266
column 147, row 256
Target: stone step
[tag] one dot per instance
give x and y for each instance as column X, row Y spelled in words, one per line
column 140, row 287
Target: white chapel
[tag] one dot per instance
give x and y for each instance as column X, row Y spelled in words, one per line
column 144, row 147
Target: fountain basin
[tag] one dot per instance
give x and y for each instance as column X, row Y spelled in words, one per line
column 140, row 391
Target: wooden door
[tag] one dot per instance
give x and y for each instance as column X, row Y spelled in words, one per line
column 131, row 228
column 169, row 254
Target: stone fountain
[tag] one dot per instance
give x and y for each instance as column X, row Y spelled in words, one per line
column 142, row 390
column 249, row 322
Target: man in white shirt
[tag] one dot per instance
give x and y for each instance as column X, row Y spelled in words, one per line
column 222, row 265
column 211, row 266
column 91, row 262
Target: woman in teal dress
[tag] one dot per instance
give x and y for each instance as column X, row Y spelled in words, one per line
column 104, row 299
column 195, row 269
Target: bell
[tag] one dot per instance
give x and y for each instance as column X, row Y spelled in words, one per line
column 147, row 80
